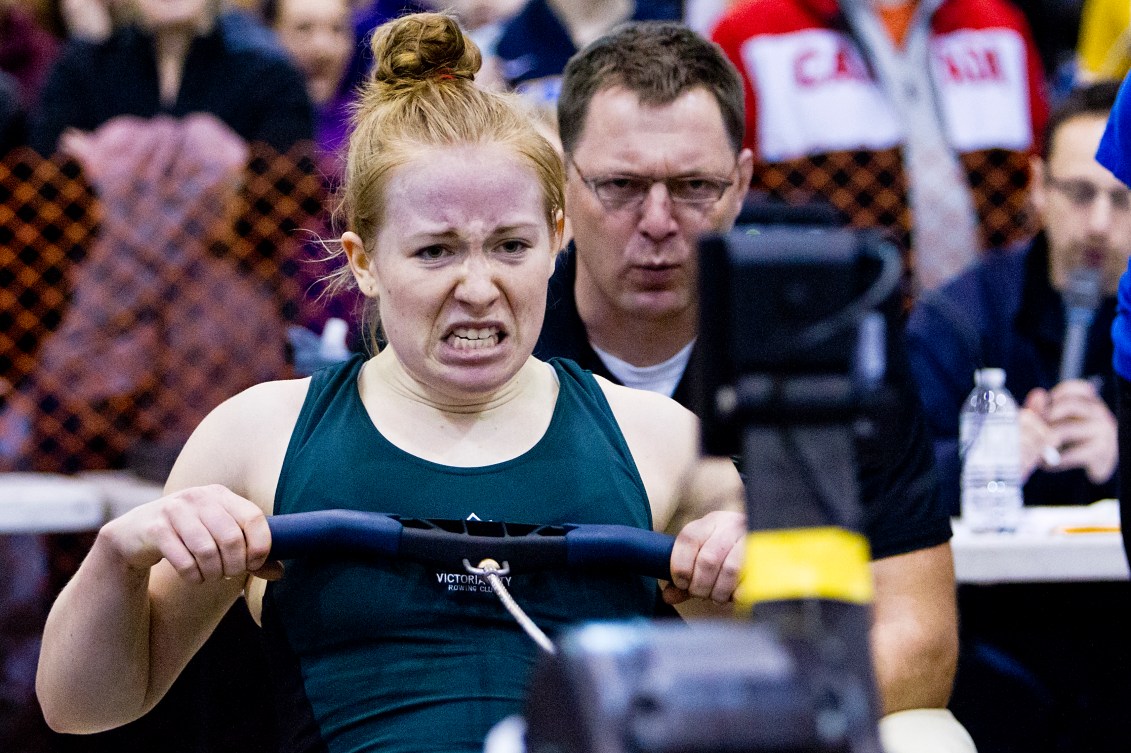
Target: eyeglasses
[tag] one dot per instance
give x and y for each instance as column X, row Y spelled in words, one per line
column 1083, row 193
column 629, row 191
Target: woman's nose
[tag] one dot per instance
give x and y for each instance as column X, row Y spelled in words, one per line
column 477, row 285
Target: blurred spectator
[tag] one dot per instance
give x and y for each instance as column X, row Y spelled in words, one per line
column 247, row 25
column 27, row 51
column 915, row 116
column 92, row 20
column 178, row 58
column 96, row 20
column 151, row 299
column 1104, row 47
column 1008, row 312
column 1043, row 667
column 13, row 126
column 318, row 35
column 535, row 45
column 483, row 20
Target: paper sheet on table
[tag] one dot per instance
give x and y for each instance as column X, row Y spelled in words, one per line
column 1098, row 517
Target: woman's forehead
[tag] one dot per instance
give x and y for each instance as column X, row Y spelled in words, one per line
column 460, row 193
column 477, row 177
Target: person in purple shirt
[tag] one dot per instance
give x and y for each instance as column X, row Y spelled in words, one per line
column 319, row 37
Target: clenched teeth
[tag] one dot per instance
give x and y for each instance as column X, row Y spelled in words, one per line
column 472, row 338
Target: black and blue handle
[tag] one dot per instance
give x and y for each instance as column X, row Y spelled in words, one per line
column 447, row 543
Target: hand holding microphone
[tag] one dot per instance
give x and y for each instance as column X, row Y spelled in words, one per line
column 1083, row 429
column 1070, row 426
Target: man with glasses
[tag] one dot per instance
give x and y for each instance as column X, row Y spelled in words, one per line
column 1009, row 311
column 651, row 122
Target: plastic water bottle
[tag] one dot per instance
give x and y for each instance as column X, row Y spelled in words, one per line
column 990, row 443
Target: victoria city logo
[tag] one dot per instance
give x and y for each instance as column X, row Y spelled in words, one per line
column 466, row 583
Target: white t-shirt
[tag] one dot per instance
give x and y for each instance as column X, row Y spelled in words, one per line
column 663, row 377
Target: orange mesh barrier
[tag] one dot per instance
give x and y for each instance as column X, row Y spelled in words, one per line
column 130, row 310
column 870, row 190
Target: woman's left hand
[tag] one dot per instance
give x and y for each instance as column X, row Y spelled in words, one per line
column 707, row 558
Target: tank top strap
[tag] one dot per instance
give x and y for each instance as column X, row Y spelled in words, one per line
column 585, row 398
column 325, row 395
column 326, row 387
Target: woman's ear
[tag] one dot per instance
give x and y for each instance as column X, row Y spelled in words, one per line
column 360, row 264
column 558, row 240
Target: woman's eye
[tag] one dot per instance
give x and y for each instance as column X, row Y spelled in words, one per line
column 432, row 252
column 513, row 247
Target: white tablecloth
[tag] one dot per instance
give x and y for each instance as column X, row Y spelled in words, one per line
column 1053, row 544
column 52, row 503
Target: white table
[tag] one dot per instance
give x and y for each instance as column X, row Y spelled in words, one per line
column 54, row 503
column 49, row 503
column 1052, row 544
column 122, row 491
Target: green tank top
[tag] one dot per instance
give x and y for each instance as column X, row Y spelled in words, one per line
column 395, row 656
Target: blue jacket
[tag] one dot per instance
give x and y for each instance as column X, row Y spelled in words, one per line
column 534, row 47
column 1002, row 312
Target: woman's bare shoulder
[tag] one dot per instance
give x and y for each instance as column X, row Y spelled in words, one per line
column 285, row 395
column 644, row 411
column 260, row 410
column 663, row 438
column 242, row 442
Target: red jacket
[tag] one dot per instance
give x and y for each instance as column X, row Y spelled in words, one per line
column 821, row 126
column 803, row 71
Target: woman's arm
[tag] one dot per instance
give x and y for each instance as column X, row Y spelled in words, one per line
column 698, row 498
column 159, row 578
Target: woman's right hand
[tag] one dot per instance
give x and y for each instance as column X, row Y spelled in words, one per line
column 207, row 533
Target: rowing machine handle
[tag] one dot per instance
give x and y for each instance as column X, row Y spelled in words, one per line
column 447, row 543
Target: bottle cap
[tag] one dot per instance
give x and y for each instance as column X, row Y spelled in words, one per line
column 994, row 379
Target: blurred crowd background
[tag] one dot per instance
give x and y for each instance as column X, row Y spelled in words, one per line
column 110, row 254
column 167, row 178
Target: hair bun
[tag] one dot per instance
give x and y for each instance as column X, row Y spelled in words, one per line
column 422, row 47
